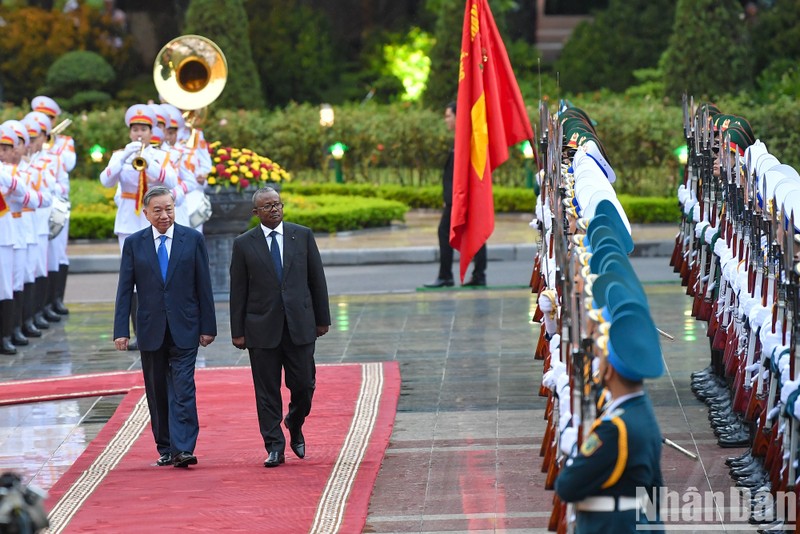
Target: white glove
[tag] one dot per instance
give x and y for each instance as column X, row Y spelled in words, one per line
column 700, row 227
column 568, row 439
column 683, row 194
column 131, row 148
column 711, row 231
column 550, row 378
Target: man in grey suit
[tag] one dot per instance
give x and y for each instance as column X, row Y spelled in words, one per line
column 168, row 265
column 279, row 307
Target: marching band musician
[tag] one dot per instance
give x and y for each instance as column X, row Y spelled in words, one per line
column 158, row 140
column 42, row 170
column 14, row 195
column 24, row 235
column 195, row 160
column 132, row 183
column 157, row 170
column 62, row 149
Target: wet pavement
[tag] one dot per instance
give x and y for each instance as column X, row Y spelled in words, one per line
column 464, row 454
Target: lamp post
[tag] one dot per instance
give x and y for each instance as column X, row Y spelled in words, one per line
column 326, row 115
column 337, row 150
column 97, row 153
column 527, row 152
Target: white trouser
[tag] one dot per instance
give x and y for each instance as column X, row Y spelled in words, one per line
column 20, row 267
column 122, row 238
column 57, row 249
column 40, row 261
column 6, row 272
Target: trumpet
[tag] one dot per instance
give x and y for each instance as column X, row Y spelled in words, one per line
column 57, row 129
column 138, row 162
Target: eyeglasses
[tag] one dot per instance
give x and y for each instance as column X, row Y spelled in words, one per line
column 270, row 207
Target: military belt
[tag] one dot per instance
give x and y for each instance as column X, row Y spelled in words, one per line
column 609, row 504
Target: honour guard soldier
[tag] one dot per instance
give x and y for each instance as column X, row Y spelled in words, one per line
column 42, row 170
column 14, row 195
column 13, row 145
column 60, row 148
column 623, row 450
column 133, row 169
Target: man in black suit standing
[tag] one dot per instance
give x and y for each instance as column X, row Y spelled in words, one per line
column 168, row 265
column 279, row 307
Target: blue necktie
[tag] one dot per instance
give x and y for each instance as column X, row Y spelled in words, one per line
column 163, row 258
column 275, row 251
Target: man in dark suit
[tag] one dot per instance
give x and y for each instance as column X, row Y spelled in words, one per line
column 168, row 265
column 279, row 307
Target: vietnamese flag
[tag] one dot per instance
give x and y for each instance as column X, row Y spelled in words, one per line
column 490, row 117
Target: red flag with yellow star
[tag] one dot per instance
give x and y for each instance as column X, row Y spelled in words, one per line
column 490, row 117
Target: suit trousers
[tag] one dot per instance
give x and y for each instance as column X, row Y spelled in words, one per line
column 171, row 396
column 298, row 364
column 446, row 251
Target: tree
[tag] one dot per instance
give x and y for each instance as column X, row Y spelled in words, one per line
column 708, row 53
column 296, row 58
column 216, row 20
column 443, row 79
column 78, row 80
column 604, row 53
column 776, row 33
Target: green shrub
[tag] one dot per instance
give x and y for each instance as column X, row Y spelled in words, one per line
column 650, row 210
column 79, row 70
column 91, row 225
column 87, row 100
column 331, row 213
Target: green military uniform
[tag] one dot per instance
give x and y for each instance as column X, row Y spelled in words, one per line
column 622, row 453
column 616, row 474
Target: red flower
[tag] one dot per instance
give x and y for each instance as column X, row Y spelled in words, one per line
column 380, row 147
column 244, row 182
column 220, row 168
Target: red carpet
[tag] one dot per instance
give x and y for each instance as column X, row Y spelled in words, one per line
column 115, row 486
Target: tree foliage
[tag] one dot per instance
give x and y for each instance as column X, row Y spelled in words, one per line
column 33, row 38
column 443, row 80
column 78, row 80
column 776, row 33
column 216, row 19
column 709, row 52
column 296, row 57
column 604, row 53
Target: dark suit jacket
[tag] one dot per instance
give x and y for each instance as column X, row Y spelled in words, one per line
column 185, row 301
column 260, row 304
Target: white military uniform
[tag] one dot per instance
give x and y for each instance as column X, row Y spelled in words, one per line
column 132, row 183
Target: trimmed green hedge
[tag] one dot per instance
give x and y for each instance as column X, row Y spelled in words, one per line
column 339, row 207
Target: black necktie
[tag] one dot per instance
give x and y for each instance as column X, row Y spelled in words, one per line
column 275, row 251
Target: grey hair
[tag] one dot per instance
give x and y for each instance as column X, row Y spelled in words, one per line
column 157, row 191
column 263, row 191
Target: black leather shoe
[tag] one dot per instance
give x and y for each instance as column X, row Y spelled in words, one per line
column 744, row 459
column 164, row 459
column 734, row 439
column 18, row 338
column 184, row 459
column 40, row 322
column 7, row 347
column 50, row 315
column 441, row 282
column 59, row 308
column 475, row 282
column 274, row 459
column 297, row 441
column 30, row 330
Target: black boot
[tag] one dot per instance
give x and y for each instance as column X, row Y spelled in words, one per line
column 61, row 287
column 28, row 301
column 47, row 311
column 17, row 337
column 39, row 301
column 7, row 327
column 133, row 343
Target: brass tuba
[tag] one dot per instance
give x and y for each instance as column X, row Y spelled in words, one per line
column 190, row 73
